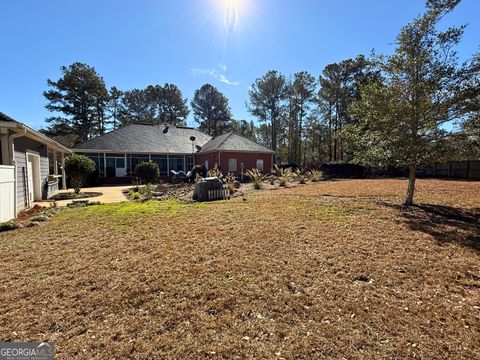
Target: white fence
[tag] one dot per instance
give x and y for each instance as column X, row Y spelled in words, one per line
column 219, row 194
column 7, row 193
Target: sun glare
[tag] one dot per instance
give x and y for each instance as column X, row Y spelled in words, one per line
column 232, row 13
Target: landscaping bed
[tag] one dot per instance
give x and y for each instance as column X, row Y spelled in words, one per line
column 73, row 196
column 163, row 191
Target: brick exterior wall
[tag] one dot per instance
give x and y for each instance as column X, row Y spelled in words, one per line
column 248, row 159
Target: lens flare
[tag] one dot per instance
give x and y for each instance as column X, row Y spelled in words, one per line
column 232, row 14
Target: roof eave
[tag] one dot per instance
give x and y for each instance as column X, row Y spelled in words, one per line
column 35, row 135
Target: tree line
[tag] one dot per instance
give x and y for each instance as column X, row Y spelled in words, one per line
column 300, row 118
column 382, row 110
column 85, row 108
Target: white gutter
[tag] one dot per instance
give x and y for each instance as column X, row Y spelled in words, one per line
column 14, row 162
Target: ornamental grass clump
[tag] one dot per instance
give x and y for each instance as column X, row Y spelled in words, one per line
column 282, row 175
column 301, row 176
column 316, row 175
column 256, row 177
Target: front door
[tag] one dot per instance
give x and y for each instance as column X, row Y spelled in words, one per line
column 120, row 168
column 30, row 181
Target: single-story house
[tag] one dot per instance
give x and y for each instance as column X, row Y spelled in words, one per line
column 31, row 166
column 172, row 147
column 118, row 152
column 232, row 153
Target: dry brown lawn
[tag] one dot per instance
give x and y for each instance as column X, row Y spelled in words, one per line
column 329, row 270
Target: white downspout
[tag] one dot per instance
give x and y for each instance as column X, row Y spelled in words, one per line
column 14, row 162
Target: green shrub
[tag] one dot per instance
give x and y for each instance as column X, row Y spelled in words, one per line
column 7, row 226
column 147, row 171
column 78, row 167
column 147, row 191
column 41, row 217
column 135, row 195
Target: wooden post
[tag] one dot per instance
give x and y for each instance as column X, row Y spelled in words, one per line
column 55, row 164
column 64, row 177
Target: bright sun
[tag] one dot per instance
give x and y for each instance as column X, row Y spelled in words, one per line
column 233, row 11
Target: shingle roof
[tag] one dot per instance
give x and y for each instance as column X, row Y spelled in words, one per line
column 233, row 142
column 38, row 136
column 139, row 138
column 5, row 117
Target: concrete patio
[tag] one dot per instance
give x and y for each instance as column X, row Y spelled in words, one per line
column 110, row 194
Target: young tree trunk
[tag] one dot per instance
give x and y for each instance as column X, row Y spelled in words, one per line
column 411, row 185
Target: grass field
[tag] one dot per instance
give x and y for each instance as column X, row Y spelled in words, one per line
column 330, row 270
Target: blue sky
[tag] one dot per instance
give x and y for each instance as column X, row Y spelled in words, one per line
column 189, row 42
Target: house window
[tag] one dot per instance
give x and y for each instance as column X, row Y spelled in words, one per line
column 96, row 158
column 189, row 163
column 232, row 165
column 260, row 164
column 132, row 161
column 176, row 163
column 161, row 161
column 51, row 163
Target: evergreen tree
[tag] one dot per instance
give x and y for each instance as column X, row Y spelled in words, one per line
column 211, row 110
column 115, row 107
column 303, row 95
column 267, row 103
column 79, row 98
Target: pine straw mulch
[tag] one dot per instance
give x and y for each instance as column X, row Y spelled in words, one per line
column 332, row 270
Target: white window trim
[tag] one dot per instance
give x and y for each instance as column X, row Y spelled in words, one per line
column 231, row 162
column 262, row 162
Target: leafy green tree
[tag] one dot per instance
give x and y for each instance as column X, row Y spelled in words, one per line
column 79, row 98
column 148, row 172
column 267, row 102
column 471, row 91
column 211, row 110
column 401, row 118
column 78, row 167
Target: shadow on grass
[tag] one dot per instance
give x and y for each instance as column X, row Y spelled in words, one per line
column 445, row 223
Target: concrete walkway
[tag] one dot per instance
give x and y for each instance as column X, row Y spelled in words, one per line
column 110, row 194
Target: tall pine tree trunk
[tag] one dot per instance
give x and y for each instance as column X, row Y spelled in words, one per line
column 330, row 137
column 411, row 185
